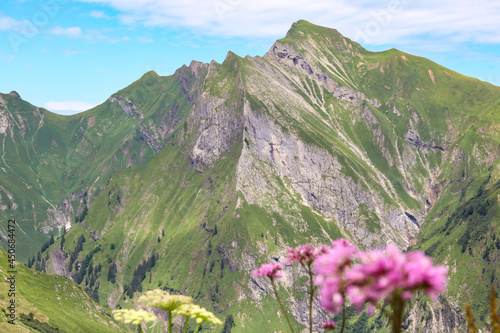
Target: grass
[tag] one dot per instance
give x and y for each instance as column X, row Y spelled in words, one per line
column 53, row 299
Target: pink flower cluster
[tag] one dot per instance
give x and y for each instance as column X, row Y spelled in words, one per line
column 335, row 260
column 329, row 325
column 330, row 269
column 379, row 274
column 365, row 277
column 305, row 254
column 272, row 270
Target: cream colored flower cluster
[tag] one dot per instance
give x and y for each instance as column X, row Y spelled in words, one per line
column 196, row 312
column 133, row 316
column 163, row 300
column 177, row 305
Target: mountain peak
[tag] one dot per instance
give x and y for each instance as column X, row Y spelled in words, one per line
column 15, row 94
column 303, row 27
column 312, row 35
column 150, row 74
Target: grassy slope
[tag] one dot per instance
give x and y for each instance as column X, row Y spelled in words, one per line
column 65, row 155
column 53, row 299
column 187, row 206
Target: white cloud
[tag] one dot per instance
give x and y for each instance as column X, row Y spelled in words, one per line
column 71, row 32
column 10, row 24
column 68, row 107
column 98, row 14
column 88, row 34
column 69, row 53
column 385, row 22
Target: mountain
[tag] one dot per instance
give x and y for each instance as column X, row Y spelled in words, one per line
column 189, row 182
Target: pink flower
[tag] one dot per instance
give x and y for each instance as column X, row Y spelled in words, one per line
column 420, row 273
column 305, row 254
column 331, row 297
column 329, row 325
column 330, row 268
column 320, row 250
column 301, row 254
column 335, row 260
column 271, row 270
column 378, row 276
column 389, row 273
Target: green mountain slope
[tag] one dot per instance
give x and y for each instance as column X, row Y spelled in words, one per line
column 52, row 299
column 53, row 166
column 189, row 182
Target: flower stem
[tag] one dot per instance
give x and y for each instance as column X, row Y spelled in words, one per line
column 279, row 301
column 196, row 330
column 397, row 314
column 343, row 319
column 140, row 328
column 311, row 297
column 495, row 319
column 470, row 319
column 169, row 321
column 186, row 325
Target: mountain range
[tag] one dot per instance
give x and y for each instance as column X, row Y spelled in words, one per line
column 189, row 182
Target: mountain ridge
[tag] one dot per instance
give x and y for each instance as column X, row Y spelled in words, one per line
column 219, row 167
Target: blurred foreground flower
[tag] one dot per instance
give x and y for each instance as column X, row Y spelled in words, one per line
column 177, row 305
column 329, row 326
column 135, row 317
column 373, row 277
column 305, row 255
column 198, row 313
column 163, row 300
column 271, row 270
column 381, row 275
column 391, row 273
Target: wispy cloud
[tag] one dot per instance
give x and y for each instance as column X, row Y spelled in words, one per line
column 71, row 32
column 88, row 34
column 69, row 53
column 391, row 22
column 10, row 24
column 68, row 107
column 99, row 14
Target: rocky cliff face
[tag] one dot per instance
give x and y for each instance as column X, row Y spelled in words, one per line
column 315, row 173
column 272, row 158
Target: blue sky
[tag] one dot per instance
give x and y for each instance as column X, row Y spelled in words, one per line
column 69, row 55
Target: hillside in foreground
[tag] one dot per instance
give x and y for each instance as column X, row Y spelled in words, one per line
column 55, row 302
